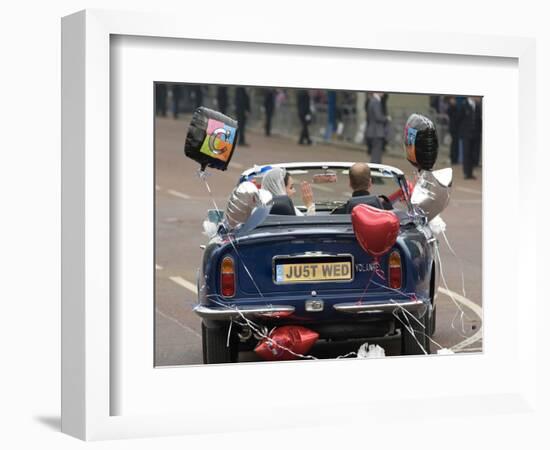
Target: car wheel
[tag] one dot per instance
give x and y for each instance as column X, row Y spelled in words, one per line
column 203, row 334
column 414, row 345
column 217, row 351
column 432, row 297
column 432, row 324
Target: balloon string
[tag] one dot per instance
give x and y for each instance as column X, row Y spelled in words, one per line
column 459, row 262
column 203, row 175
column 360, row 300
column 459, row 308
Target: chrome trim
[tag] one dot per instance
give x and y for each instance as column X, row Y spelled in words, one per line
column 379, row 307
column 322, row 165
column 230, row 312
column 312, row 255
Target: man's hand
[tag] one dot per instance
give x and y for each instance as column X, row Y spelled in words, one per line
column 307, row 194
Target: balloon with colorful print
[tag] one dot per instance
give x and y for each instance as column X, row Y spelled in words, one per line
column 420, row 141
column 211, row 138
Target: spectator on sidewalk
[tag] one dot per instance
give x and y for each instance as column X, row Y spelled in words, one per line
column 221, row 97
column 376, row 127
column 304, row 114
column 176, row 95
column 161, row 93
column 478, row 114
column 196, row 95
column 269, row 107
column 452, row 112
column 467, row 135
column 387, row 126
column 242, row 109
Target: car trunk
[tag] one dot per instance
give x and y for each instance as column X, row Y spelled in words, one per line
column 298, row 262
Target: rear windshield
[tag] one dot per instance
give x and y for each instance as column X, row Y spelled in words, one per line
column 331, row 186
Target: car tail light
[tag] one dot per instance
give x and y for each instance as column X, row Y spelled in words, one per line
column 394, row 270
column 228, row 277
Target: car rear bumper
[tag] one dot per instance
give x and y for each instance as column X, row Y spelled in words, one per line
column 387, row 306
column 228, row 312
column 281, row 311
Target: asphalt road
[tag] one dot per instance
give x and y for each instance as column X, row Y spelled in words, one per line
column 181, row 204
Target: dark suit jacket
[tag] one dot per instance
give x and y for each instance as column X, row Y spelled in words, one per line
column 269, row 100
column 384, row 203
column 478, row 114
column 466, row 121
column 303, row 103
column 376, row 120
column 222, row 98
column 242, row 101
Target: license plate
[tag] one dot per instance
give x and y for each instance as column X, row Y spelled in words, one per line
column 322, row 271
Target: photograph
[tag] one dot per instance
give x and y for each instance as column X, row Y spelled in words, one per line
column 306, row 223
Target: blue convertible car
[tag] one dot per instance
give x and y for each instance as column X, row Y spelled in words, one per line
column 309, row 270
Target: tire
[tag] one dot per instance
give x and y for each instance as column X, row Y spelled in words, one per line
column 409, row 343
column 433, row 322
column 203, row 340
column 432, row 297
column 216, row 350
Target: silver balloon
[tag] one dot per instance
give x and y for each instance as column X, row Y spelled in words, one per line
column 244, row 198
column 432, row 191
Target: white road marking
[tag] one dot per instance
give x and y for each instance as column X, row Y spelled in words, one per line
column 477, row 311
column 178, row 194
column 158, row 267
column 468, row 190
column 184, row 283
column 177, row 322
column 321, row 188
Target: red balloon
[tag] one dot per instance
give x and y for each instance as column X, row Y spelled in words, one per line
column 295, row 338
column 375, row 229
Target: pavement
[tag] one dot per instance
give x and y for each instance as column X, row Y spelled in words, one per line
column 181, row 203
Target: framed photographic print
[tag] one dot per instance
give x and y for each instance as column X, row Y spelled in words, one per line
column 230, row 204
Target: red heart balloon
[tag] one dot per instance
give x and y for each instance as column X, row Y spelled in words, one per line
column 375, row 229
column 292, row 337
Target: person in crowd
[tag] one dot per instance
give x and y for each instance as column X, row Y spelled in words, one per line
column 196, row 95
column 478, row 114
column 221, row 97
column 376, row 127
column 242, row 109
column 387, row 126
column 331, row 115
column 176, row 95
column 279, row 182
column 467, row 135
column 452, row 112
column 269, row 107
column 161, row 93
column 304, row 114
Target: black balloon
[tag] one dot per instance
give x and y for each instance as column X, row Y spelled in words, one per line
column 211, row 138
column 421, row 144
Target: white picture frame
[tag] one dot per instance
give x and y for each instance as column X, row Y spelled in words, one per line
column 88, row 329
